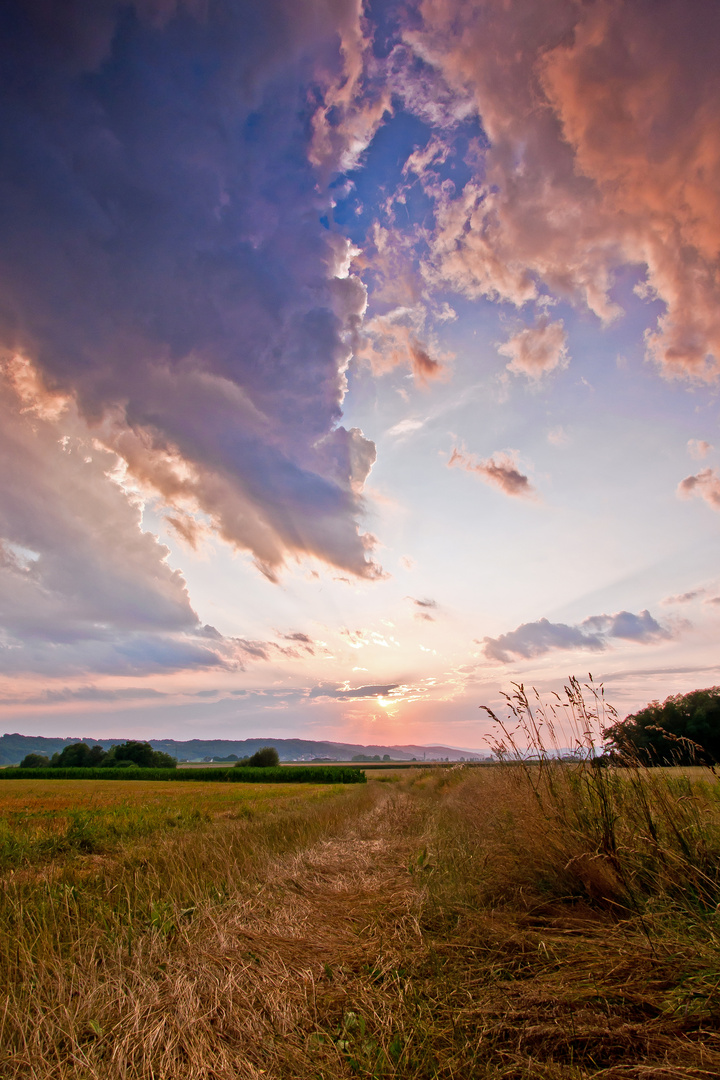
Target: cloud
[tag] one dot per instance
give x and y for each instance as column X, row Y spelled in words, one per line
column 699, row 448
column 557, row 436
column 705, row 484
column 164, row 260
column 538, row 349
column 594, row 161
column 392, row 340
column 426, row 606
column 500, row 470
column 537, row 638
column 92, row 694
column 684, row 598
column 405, row 427
column 424, row 91
column 83, row 588
column 346, row 693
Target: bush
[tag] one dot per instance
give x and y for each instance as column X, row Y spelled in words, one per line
column 684, row 730
column 266, row 758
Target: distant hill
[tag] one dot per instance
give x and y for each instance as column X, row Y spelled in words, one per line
column 13, row 748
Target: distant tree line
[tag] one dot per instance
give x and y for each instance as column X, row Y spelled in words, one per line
column 683, row 730
column 368, row 757
column 81, row 756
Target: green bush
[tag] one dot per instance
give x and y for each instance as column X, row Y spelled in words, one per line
column 265, row 758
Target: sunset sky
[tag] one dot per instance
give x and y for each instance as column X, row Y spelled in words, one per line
column 356, row 362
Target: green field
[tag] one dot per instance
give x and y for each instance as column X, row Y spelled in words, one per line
column 552, row 921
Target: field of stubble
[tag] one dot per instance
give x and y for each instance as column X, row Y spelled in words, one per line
column 554, row 922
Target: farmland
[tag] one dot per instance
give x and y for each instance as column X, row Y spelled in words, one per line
column 552, row 921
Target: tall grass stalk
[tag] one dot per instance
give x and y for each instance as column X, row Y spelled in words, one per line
column 624, row 835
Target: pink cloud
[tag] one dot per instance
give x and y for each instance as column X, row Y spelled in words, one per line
column 699, row 448
column 537, row 349
column 705, row 484
column 595, row 159
column 387, row 343
column 500, row 470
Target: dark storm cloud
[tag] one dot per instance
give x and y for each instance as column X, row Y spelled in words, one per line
column 165, row 260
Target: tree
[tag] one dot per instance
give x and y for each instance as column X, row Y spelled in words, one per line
column 132, row 752
column 79, row 756
column 265, row 758
column 684, row 730
column 34, row 761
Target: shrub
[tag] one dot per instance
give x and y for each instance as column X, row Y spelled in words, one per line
column 265, row 758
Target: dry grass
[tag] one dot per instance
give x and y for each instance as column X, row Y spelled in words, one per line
column 451, row 924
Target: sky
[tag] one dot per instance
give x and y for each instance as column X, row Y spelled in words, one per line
column 357, row 361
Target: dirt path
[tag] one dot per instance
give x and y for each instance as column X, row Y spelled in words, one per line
column 280, row 981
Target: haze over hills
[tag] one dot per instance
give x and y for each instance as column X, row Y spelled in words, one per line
column 14, row 747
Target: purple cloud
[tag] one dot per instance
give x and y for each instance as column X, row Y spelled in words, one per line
column 164, row 260
column 352, row 693
column 594, row 633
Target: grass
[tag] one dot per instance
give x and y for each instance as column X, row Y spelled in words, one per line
column 41, row 820
column 540, row 920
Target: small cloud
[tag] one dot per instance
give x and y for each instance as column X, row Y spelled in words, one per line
column 557, row 436
column 407, row 562
column 93, row 694
column 297, row 637
column 705, row 484
column 299, row 644
column 538, row 349
column 424, row 614
column 699, row 449
column 405, row 427
column 626, row 625
column 499, row 470
column 537, row 638
column 347, row 693
column 683, row 598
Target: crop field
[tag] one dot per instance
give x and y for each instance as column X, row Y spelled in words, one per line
column 550, row 921
column 41, row 819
